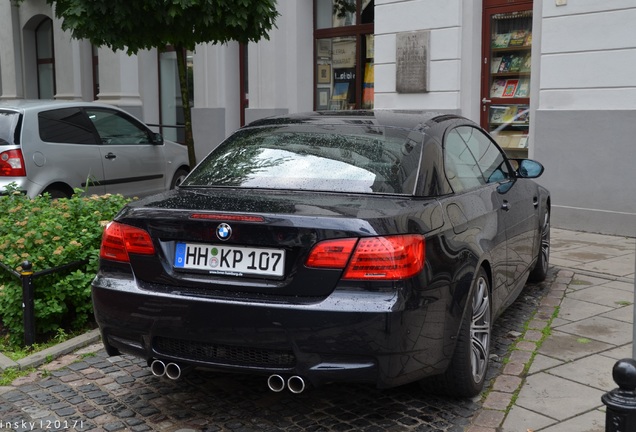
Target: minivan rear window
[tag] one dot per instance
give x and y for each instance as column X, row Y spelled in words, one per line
column 9, row 128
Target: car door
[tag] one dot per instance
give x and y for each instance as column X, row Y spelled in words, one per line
column 474, row 209
column 64, row 151
column 133, row 163
column 519, row 210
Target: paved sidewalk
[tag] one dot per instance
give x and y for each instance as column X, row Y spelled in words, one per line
column 562, row 364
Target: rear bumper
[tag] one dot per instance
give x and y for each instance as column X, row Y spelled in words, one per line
column 383, row 338
column 20, row 184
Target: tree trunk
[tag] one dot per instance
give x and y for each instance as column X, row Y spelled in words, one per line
column 185, row 102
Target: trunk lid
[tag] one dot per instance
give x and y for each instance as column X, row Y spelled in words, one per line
column 271, row 234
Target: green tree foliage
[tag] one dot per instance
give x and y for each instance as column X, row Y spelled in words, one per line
column 133, row 25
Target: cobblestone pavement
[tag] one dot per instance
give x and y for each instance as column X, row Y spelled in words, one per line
column 88, row 391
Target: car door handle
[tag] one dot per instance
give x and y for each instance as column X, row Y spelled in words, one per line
column 535, row 202
column 505, row 205
column 110, row 156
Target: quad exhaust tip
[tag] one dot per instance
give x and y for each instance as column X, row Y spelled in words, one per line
column 277, row 383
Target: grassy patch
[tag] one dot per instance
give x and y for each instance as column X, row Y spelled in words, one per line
column 17, row 351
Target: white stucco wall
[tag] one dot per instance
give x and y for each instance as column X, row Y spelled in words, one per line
column 281, row 68
column 584, row 125
column 588, row 55
column 444, row 20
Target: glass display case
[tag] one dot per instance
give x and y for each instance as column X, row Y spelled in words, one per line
column 506, row 92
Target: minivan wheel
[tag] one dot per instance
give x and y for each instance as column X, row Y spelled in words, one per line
column 55, row 193
column 466, row 372
column 179, row 176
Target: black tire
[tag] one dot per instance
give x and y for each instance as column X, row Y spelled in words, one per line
column 540, row 270
column 55, row 193
column 178, row 178
column 467, row 370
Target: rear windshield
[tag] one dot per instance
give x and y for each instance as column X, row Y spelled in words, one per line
column 9, row 133
column 333, row 158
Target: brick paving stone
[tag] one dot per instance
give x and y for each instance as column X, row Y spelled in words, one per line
column 498, row 401
column 489, row 418
column 514, row 368
column 480, row 429
column 533, row 335
column 520, row 356
column 526, row 346
column 507, row 383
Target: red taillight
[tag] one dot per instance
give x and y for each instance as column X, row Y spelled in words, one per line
column 374, row 258
column 331, row 253
column 119, row 240
column 12, row 164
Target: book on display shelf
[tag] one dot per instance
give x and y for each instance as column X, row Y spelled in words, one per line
column 515, row 63
column 504, row 66
column 511, row 88
column 497, row 87
column 526, row 63
column 340, row 91
column 518, row 38
column 501, row 40
column 494, row 64
column 523, row 88
column 497, row 114
column 528, row 40
column 523, row 115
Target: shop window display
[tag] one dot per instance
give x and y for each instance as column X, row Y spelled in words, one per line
column 344, row 54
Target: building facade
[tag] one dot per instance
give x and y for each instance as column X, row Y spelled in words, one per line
column 552, row 79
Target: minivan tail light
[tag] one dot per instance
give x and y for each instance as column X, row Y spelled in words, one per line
column 12, row 164
column 119, row 240
column 372, row 258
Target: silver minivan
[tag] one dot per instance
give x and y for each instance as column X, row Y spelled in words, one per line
column 55, row 147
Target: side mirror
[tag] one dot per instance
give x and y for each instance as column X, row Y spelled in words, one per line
column 529, row 168
column 157, row 139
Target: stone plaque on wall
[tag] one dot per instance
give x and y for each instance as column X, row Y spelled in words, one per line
column 412, row 62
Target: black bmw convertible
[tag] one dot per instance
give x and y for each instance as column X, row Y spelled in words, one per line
column 361, row 246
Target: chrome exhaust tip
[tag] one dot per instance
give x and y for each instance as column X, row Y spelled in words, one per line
column 296, row 384
column 158, row 368
column 173, row 371
column 276, row 383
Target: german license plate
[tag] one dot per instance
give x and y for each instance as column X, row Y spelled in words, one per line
column 230, row 260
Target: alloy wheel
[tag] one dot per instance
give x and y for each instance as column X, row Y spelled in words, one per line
column 545, row 241
column 480, row 330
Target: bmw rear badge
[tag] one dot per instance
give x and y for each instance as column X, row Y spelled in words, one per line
column 223, row 231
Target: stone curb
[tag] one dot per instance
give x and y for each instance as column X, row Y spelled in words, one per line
column 505, row 386
column 44, row 356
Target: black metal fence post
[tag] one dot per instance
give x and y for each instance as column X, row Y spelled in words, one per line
column 28, row 303
column 621, row 402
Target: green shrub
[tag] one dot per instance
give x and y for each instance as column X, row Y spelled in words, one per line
column 51, row 233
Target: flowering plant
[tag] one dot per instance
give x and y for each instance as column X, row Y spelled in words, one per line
column 49, row 234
